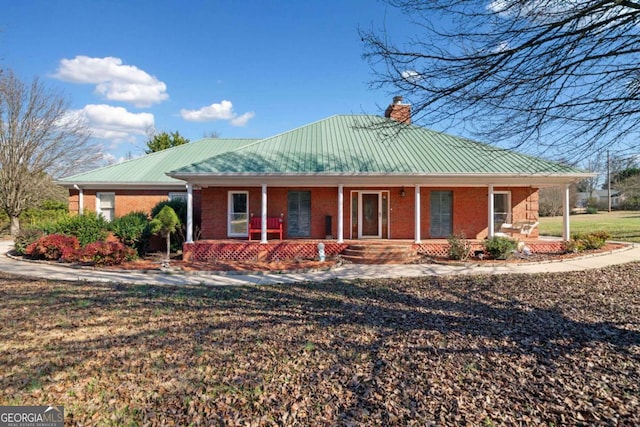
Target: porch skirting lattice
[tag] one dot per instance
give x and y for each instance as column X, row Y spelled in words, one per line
column 212, row 250
column 277, row 250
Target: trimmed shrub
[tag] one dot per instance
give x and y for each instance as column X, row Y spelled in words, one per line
column 53, row 247
column 178, row 205
column 129, row 229
column 25, row 237
column 87, row 227
column 180, row 208
column 459, row 247
column 499, row 247
column 105, row 253
column 594, row 240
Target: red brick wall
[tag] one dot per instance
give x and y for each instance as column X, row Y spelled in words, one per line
column 469, row 208
column 324, row 201
column 127, row 200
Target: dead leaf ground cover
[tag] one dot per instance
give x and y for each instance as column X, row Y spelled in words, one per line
column 547, row 349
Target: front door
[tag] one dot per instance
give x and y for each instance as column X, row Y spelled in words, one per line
column 371, row 214
column 501, row 209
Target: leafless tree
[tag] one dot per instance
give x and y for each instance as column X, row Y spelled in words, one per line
column 39, row 139
column 554, row 77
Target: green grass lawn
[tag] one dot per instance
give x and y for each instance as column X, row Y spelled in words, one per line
column 621, row 225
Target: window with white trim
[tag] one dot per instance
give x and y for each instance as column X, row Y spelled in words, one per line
column 178, row 196
column 106, row 205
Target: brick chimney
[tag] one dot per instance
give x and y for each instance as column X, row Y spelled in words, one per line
column 398, row 111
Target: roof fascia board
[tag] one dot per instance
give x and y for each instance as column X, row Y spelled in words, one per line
column 313, row 180
column 124, row 186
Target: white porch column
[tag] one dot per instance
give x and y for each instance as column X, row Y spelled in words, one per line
column 566, row 211
column 490, row 212
column 189, row 213
column 418, row 215
column 340, row 213
column 263, row 214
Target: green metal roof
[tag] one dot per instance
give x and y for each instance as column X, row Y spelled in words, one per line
column 364, row 144
column 152, row 168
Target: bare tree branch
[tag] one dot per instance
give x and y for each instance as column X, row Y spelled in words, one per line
column 38, row 140
column 554, row 77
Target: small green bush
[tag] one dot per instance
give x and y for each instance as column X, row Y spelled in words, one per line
column 499, row 247
column 49, row 211
column 25, row 237
column 165, row 223
column 588, row 241
column 459, row 247
column 178, row 205
column 591, row 210
column 88, row 227
column 178, row 238
column 129, row 229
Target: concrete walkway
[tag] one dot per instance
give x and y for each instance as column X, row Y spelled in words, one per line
column 348, row 271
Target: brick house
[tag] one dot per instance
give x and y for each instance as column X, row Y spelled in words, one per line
column 343, row 177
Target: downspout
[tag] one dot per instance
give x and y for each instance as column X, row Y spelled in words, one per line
column 80, row 199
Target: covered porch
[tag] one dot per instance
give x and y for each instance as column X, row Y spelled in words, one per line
column 365, row 210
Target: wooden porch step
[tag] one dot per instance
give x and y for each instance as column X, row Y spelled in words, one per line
column 363, row 253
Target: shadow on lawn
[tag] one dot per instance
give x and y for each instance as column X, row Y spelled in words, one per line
column 485, row 314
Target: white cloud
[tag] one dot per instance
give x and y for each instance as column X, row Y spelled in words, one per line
column 221, row 111
column 113, row 123
column 243, row 119
column 114, row 81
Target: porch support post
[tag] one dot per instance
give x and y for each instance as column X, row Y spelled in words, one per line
column 189, row 213
column 418, row 215
column 490, row 212
column 566, row 211
column 263, row 214
column 340, row 213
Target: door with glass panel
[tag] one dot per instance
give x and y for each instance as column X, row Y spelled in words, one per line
column 501, row 209
column 238, row 220
column 371, row 214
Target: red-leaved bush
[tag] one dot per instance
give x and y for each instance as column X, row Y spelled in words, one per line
column 53, row 247
column 106, row 253
column 59, row 247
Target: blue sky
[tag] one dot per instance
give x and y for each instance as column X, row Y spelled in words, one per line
column 238, row 68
